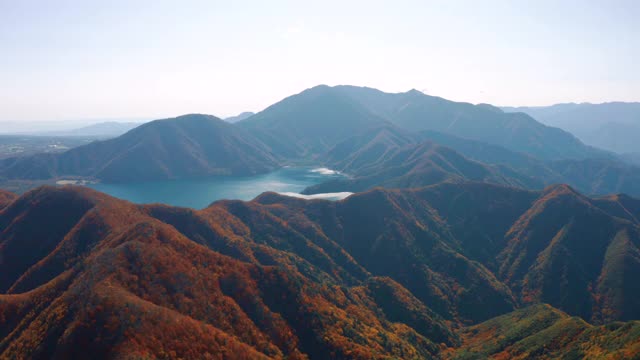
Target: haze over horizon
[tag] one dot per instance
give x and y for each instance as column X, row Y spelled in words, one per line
column 79, row 60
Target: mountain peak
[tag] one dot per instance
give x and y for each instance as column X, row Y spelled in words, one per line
column 559, row 189
column 193, row 117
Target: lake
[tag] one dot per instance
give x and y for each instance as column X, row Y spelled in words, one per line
column 199, row 194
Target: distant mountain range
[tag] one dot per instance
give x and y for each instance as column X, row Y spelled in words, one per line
column 613, row 126
column 239, row 117
column 189, row 146
column 106, row 129
column 87, row 127
column 443, row 272
column 379, row 139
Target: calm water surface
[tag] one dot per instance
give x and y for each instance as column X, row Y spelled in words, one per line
column 200, row 193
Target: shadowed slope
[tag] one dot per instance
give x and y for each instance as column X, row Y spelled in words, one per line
column 6, row 198
column 188, row 146
column 416, row 111
column 133, row 285
column 309, row 123
column 555, row 246
column 567, row 252
column 397, row 234
column 392, row 158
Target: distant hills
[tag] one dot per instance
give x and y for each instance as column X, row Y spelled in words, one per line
column 239, row 117
column 189, row 146
column 107, row 129
column 614, row 126
column 446, row 271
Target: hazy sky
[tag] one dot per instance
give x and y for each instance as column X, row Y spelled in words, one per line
column 133, row 58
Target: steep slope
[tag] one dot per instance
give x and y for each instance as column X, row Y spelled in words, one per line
column 415, row 165
column 309, row 123
column 189, row 146
column 554, row 246
column 416, row 111
column 567, row 252
column 112, row 280
column 378, row 157
column 541, row 332
column 381, row 274
column 6, row 198
column 367, row 147
column 397, row 234
column 522, row 163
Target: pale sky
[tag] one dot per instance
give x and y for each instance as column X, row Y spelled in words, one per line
column 83, row 59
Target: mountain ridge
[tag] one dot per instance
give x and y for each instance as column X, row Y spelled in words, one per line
column 188, row 146
column 284, row 277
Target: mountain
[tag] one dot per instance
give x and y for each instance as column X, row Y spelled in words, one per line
column 392, row 158
column 594, row 176
column 315, row 120
column 310, row 123
column 412, row 274
column 555, row 246
column 566, row 251
column 107, row 129
column 118, row 280
column 239, row 117
column 416, row 111
column 613, row 126
column 322, row 124
column 542, row 332
column 395, row 158
column 188, row 146
column 584, row 115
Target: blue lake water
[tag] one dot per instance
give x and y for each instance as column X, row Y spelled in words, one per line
column 200, row 193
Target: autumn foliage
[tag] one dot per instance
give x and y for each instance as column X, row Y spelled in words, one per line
column 412, row 274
